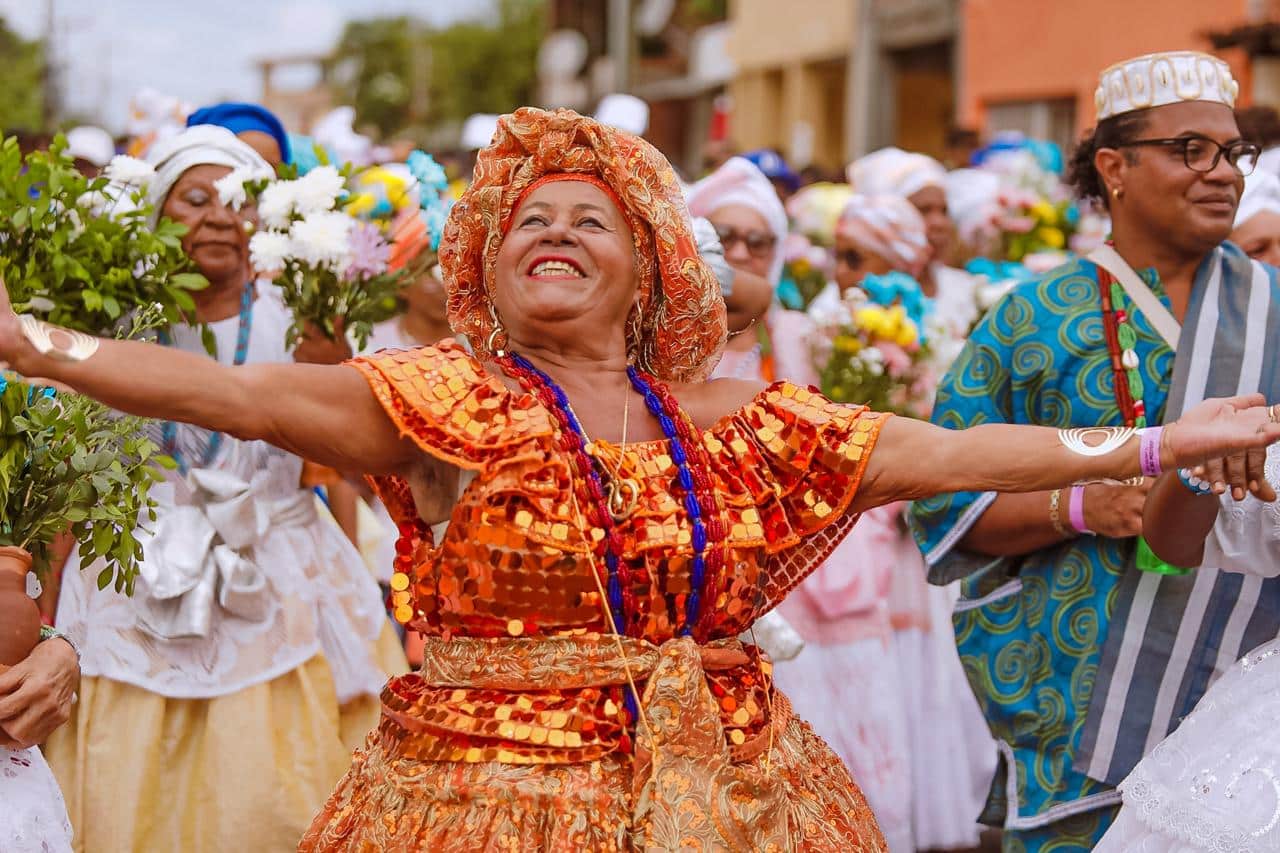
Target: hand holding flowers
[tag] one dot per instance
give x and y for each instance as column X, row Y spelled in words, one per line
column 331, row 268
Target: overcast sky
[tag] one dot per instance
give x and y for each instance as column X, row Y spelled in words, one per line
column 200, row 50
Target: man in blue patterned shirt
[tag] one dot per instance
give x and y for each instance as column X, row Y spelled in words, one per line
column 1064, row 636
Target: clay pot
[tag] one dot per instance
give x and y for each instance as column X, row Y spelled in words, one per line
column 19, row 614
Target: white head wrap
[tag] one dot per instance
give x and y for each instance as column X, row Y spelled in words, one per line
column 971, row 200
column 890, row 226
column 625, row 112
column 1261, row 192
column 335, row 131
column 738, row 181
column 478, row 131
column 892, row 171
column 704, row 234
column 91, row 143
column 202, row 145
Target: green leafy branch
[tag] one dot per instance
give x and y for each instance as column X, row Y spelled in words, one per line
column 68, row 463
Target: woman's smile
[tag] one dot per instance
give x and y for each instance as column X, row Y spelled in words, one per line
column 555, row 268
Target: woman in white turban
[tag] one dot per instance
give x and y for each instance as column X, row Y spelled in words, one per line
column 897, row 221
column 922, row 181
column 219, row 704
column 743, row 206
column 1257, row 229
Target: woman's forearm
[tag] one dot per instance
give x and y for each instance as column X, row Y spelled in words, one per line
column 1014, row 525
column 323, row 413
column 155, row 382
column 1176, row 522
column 914, row 460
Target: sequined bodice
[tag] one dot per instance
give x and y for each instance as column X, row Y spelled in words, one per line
column 518, row 666
column 516, row 559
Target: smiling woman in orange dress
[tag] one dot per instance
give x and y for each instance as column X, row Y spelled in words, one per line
column 613, row 521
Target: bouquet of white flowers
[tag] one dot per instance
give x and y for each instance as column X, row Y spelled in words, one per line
column 330, row 266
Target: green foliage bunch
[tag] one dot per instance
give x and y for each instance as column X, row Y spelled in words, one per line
column 67, row 463
column 82, row 253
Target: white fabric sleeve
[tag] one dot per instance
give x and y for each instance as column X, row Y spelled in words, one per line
column 1246, row 536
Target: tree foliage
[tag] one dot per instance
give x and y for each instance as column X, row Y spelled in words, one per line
column 468, row 67
column 21, row 73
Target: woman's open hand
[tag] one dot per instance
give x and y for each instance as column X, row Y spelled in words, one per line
column 1219, row 428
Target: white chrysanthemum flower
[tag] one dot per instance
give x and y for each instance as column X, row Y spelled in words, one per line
column 113, row 200
column 268, row 250
column 275, row 204
column 77, row 224
column 317, row 190
column 321, row 240
column 145, row 265
column 129, row 171
column 97, row 202
column 231, row 189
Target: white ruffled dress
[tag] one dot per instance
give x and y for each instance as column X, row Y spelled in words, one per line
column 1214, row 784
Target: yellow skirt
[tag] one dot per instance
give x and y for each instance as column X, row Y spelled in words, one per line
column 242, row 772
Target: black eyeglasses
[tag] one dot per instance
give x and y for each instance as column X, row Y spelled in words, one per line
column 1201, row 154
column 759, row 243
column 851, row 258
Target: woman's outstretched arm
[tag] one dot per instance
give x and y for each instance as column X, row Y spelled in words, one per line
column 324, row 413
column 913, row 459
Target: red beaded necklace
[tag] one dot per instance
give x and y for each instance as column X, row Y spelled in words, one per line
column 1114, row 320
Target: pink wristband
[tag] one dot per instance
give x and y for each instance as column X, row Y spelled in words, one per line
column 1149, row 451
column 1075, row 510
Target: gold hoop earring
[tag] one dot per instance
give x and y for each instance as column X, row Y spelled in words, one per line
column 636, row 332
column 1117, row 192
column 491, row 343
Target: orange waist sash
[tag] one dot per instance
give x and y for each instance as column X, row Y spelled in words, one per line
column 545, row 700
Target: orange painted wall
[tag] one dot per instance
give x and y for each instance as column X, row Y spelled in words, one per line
column 1018, row 50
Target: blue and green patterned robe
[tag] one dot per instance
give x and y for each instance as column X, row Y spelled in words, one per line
column 1030, row 630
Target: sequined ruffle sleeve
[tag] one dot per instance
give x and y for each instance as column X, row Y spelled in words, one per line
column 440, row 398
column 797, row 459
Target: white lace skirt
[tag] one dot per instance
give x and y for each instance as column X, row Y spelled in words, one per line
column 1214, row 784
column 33, row 817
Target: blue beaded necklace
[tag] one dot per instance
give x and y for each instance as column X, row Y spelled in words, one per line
column 684, row 475
column 659, row 408
column 169, row 431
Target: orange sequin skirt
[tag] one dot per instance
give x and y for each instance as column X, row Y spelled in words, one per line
column 449, row 769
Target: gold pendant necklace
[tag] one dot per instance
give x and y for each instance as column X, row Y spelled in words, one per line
column 622, row 494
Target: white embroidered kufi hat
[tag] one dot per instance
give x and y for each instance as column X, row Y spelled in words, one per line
column 1159, row 79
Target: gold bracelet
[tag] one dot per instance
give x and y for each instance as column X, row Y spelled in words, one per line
column 1055, row 515
column 79, row 346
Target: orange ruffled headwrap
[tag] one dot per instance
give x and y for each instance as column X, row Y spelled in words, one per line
column 678, row 326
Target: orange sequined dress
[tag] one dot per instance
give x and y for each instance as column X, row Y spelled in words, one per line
column 510, row 737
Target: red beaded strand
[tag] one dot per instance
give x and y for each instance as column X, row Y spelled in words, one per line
column 706, row 495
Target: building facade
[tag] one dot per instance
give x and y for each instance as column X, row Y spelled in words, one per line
column 823, row 81
column 1032, row 65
